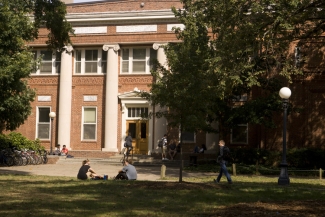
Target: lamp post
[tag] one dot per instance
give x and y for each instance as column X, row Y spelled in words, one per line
column 52, row 116
column 284, row 93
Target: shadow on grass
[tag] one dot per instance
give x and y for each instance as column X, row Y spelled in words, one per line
column 24, row 195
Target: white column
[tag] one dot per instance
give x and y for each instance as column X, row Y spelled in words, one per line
column 160, row 123
column 161, row 56
column 111, row 100
column 65, row 96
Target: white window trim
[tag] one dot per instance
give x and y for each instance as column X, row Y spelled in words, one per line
column 38, row 71
column 37, row 123
column 82, row 123
column 147, row 70
column 231, row 137
column 136, row 106
column 83, row 60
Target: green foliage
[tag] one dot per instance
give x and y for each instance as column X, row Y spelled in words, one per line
column 296, row 158
column 17, row 140
column 17, row 60
column 230, row 49
column 306, row 158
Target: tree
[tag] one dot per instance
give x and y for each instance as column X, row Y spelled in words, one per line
column 227, row 50
column 17, row 60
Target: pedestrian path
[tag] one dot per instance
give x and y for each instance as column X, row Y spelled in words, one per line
column 69, row 167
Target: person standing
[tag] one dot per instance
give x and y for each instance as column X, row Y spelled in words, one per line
column 164, row 148
column 128, row 172
column 223, row 164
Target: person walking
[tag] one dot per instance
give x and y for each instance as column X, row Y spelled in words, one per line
column 223, row 164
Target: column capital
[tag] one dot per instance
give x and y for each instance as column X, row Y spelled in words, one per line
column 156, row 46
column 115, row 47
column 68, row 48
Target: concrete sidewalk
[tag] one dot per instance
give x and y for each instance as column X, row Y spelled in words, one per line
column 70, row 169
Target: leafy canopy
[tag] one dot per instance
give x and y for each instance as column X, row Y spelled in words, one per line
column 19, row 24
column 231, row 49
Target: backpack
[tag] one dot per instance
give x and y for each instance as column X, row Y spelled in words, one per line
column 160, row 143
column 226, row 154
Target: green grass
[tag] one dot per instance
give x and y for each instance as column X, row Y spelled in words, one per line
column 63, row 196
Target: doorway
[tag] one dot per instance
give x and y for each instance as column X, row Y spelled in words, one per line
column 139, row 132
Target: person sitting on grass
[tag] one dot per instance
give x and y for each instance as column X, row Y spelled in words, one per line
column 128, row 172
column 85, row 169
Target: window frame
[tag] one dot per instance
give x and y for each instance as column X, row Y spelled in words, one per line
column 83, row 123
column 55, row 62
column 239, row 142
column 133, row 111
column 99, row 62
column 38, row 122
column 130, row 61
column 187, row 141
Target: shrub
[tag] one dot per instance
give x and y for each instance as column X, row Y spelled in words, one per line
column 18, row 141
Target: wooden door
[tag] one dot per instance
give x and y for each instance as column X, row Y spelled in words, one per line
column 139, row 132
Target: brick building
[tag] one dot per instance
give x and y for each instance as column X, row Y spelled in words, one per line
column 92, row 87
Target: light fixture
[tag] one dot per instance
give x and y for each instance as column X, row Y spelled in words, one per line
column 284, row 93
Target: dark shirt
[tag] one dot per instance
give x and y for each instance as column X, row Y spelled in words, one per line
column 221, row 160
column 172, row 146
column 82, row 174
column 128, row 141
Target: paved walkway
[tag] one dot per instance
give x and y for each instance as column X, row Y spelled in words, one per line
column 70, row 169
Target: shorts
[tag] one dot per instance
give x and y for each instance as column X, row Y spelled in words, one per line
column 164, row 149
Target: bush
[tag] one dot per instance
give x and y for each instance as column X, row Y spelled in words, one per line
column 18, row 141
column 306, row 158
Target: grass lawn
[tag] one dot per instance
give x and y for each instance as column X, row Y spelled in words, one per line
column 249, row 196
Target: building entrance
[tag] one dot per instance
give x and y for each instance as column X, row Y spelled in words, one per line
column 139, row 132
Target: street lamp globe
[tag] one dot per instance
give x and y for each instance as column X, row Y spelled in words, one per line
column 284, row 179
column 52, row 115
column 285, row 93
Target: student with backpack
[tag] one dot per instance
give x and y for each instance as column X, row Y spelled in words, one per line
column 222, row 160
column 163, row 145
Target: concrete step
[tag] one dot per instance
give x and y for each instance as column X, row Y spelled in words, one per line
column 140, row 160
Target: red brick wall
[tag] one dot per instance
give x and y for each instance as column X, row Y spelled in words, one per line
column 123, row 6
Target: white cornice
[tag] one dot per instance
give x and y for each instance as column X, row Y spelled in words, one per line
column 121, row 17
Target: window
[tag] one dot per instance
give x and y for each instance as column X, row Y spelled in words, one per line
column 137, row 112
column 89, row 123
column 137, row 60
column 188, row 137
column 90, row 61
column 43, row 123
column 50, row 62
column 239, row 134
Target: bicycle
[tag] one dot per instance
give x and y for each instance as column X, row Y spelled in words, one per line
column 126, row 153
column 6, row 159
